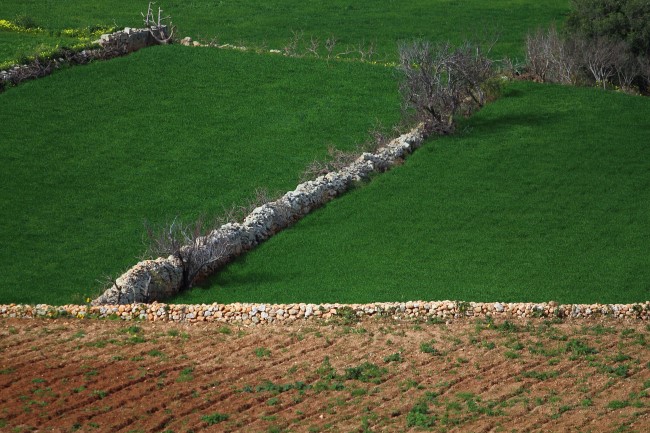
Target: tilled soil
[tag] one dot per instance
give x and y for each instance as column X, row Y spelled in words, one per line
column 377, row 375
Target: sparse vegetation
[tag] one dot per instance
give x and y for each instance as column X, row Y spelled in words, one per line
column 186, row 375
column 215, row 418
column 262, row 352
column 428, row 347
column 453, row 390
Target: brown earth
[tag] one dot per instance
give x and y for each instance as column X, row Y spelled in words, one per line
column 379, row 375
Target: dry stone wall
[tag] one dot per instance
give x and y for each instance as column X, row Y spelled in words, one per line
column 156, row 280
column 247, row 314
column 132, row 39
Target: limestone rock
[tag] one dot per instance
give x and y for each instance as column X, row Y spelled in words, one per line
column 149, row 280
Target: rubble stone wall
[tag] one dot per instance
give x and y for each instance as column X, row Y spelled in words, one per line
column 247, row 314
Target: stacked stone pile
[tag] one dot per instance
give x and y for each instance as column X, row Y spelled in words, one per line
column 156, row 280
column 132, row 39
column 258, row 314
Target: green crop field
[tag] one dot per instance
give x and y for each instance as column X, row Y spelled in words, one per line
column 90, row 153
column 543, row 195
column 272, row 23
column 15, row 45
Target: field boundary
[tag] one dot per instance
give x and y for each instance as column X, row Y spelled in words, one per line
column 250, row 314
column 159, row 279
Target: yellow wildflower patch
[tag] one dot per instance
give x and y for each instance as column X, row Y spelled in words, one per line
column 13, row 27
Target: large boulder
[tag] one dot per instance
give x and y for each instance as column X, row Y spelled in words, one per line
column 148, row 281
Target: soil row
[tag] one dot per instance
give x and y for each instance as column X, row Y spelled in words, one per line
column 380, row 375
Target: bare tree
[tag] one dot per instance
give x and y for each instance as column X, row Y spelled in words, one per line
column 190, row 244
column 627, row 67
column 291, row 48
column 600, row 57
column 330, row 43
column 538, row 47
column 366, row 53
column 314, row 46
column 565, row 59
column 438, row 80
column 161, row 32
column 473, row 68
column 644, row 68
column 551, row 58
column 238, row 212
column 337, row 160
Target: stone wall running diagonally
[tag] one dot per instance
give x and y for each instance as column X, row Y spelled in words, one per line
column 157, row 280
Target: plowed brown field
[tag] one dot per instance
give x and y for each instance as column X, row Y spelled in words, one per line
column 379, row 375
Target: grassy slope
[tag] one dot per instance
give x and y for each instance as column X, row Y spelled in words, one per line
column 90, row 153
column 15, row 45
column 256, row 22
column 545, row 196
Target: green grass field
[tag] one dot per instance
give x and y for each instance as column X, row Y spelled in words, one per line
column 90, row 153
column 13, row 45
column 271, row 23
column 543, row 195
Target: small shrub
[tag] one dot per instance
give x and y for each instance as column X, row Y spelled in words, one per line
column 134, row 329
column 395, row 357
column 347, row 315
column 512, row 355
column 419, row 416
column 186, row 375
column 427, row 347
column 100, row 393
column 366, row 372
column 618, row 404
column 326, row 371
column 579, row 348
column 156, row 353
column 26, row 22
column 215, row 418
column 225, row 330
column 262, row 352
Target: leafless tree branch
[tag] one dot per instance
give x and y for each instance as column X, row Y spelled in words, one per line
column 439, row 80
column 161, row 32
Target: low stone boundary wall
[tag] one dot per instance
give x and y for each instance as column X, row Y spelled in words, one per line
column 259, row 314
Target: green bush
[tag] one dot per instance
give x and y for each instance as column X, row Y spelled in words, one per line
column 215, row 418
column 26, row 22
column 419, row 416
column 626, row 20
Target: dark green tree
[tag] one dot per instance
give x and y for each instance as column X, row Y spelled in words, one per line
column 620, row 20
